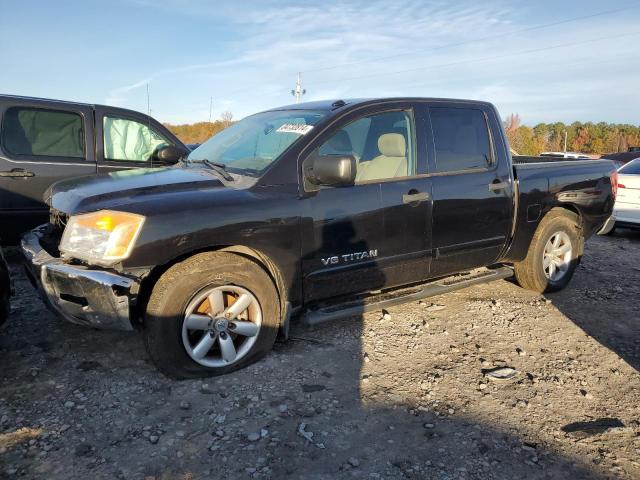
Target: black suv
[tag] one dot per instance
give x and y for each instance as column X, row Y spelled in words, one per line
column 43, row 141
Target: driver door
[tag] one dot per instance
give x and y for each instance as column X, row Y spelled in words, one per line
column 374, row 234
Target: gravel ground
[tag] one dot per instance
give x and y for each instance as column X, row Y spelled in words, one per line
column 397, row 394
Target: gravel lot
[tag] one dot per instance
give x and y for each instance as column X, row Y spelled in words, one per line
column 401, row 394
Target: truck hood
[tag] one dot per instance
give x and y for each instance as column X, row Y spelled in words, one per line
column 124, row 187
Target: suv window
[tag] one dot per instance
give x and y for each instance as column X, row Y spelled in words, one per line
column 461, row 139
column 129, row 140
column 41, row 132
column 382, row 145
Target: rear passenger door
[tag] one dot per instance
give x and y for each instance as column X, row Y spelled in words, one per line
column 40, row 143
column 472, row 188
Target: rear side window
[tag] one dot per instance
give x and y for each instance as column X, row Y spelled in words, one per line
column 631, row 168
column 40, row 132
column 461, row 139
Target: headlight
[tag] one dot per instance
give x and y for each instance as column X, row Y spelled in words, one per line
column 104, row 238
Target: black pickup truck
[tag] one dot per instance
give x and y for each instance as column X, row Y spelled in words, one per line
column 310, row 212
column 43, row 141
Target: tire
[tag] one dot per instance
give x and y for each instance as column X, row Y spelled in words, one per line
column 194, row 286
column 4, row 307
column 531, row 272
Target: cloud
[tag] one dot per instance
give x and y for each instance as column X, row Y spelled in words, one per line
column 370, row 48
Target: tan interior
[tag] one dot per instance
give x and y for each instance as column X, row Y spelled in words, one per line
column 392, row 161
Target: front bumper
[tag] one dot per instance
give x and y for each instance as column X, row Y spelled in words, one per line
column 95, row 298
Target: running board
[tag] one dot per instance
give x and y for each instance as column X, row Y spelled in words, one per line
column 405, row 295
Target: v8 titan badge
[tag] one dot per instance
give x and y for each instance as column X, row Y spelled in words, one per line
column 349, row 257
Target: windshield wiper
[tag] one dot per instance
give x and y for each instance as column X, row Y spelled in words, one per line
column 219, row 168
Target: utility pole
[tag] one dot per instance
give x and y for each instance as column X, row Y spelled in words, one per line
column 210, row 109
column 298, row 92
column 565, row 141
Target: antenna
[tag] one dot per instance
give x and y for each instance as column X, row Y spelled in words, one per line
column 298, row 92
column 149, row 123
column 148, row 102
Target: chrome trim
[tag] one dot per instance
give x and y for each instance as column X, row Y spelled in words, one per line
column 494, row 187
column 608, row 225
column 85, row 163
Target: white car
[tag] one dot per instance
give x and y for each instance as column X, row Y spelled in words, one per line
column 627, row 207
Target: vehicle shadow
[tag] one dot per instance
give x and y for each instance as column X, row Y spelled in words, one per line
column 605, row 309
column 326, row 405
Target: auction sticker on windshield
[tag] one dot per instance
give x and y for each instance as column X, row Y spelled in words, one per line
column 298, row 128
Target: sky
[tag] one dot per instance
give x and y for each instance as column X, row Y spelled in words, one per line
column 545, row 60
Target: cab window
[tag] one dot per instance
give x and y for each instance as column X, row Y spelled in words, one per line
column 382, row 145
column 129, row 140
column 40, row 132
column 461, row 138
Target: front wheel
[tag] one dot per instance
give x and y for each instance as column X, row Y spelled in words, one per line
column 554, row 253
column 211, row 314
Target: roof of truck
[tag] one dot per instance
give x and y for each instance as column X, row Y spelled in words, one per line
column 337, row 104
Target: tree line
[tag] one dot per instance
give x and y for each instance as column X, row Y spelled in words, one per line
column 589, row 137
column 592, row 138
column 200, row 131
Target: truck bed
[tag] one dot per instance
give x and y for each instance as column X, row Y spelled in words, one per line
column 520, row 159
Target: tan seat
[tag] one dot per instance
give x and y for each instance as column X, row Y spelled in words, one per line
column 392, row 161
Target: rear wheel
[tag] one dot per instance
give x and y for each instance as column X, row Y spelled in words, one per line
column 4, row 307
column 210, row 315
column 554, row 253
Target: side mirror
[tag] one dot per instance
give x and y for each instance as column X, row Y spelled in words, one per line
column 169, row 154
column 332, row 170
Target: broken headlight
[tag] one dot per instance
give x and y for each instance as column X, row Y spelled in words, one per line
column 103, row 238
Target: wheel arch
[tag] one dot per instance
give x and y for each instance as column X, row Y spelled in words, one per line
column 570, row 211
column 568, row 207
column 257, row 256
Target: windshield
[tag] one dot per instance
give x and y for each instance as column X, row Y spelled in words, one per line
column 251, row 145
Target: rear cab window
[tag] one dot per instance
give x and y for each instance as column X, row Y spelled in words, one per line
column 39, row 132
column 461, row 139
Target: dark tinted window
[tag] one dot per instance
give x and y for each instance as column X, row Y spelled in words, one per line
column 461, row 138
column 631, row 168
column 38, row 132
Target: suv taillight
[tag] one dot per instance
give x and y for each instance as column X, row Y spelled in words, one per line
column 614, row 184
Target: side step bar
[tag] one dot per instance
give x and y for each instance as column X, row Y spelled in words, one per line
column 388, row 299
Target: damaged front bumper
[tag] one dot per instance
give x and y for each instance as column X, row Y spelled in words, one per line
column 95, row 298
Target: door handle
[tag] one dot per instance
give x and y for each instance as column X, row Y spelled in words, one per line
column 415, row 197
column 495, row 186
column 17, row 173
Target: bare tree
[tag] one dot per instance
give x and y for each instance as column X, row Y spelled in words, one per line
column 512, row 122
column 226, row 118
